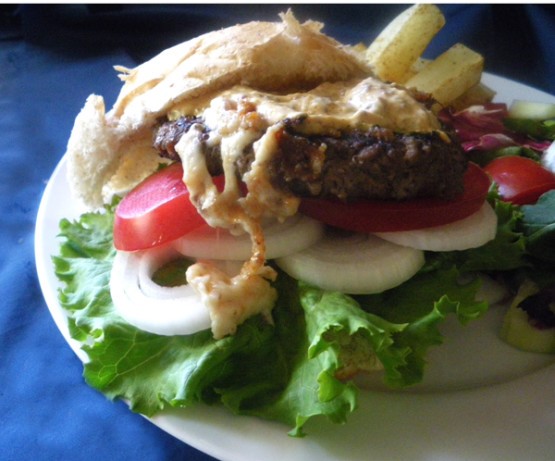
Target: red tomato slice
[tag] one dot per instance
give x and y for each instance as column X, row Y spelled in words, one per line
column 156, row 211
column 390, row 216
column 521, row 180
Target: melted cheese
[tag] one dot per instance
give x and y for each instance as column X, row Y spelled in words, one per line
column 240, row 117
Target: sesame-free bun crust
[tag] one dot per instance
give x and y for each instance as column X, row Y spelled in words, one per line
column 282, row 56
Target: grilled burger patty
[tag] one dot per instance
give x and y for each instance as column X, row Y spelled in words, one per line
column 375, row 164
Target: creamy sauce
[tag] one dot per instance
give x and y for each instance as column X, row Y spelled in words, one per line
column 329, row 107
column 239, row 117
column 231, row 299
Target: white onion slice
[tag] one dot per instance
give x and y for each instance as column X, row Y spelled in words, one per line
column 292, row 235
column 142, row 303
column 148, row 263
column 471, row 232
column 355, row 264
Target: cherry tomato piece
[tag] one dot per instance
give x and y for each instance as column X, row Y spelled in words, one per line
column 389, row 216
column 521, row 180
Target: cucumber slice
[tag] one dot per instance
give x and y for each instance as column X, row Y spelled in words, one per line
column 353, row 263
column 532, row 110
column 517, row 330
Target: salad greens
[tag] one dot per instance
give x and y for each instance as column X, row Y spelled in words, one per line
column 537, row 129
column 538, row 225
column 287, row 371
column 486, row 130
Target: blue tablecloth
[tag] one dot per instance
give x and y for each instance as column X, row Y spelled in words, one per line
column 51, row 59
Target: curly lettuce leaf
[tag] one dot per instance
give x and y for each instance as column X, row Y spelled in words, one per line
column 288, row 371
column 422, row 304
column 343, row 331
column 84, row 266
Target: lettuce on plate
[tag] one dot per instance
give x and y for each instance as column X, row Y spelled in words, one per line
column 289, row 371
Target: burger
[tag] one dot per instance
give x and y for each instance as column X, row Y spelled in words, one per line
column 268, row 221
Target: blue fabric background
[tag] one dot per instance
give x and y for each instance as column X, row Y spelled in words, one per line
column 51, row 59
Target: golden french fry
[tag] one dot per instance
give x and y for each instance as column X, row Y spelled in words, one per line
column 402, row 42
column 476, row 95
column 449, row 75
column 416, row 67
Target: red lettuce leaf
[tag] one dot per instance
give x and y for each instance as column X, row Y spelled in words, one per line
column 482, row 127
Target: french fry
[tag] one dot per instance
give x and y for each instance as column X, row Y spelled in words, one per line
column 416, row 67
column 478, row 94
column 395, row 50
column 449, row 75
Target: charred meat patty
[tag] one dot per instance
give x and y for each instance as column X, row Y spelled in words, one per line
column 377, row 163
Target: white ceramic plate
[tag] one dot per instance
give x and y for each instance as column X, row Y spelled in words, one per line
column 481, row 399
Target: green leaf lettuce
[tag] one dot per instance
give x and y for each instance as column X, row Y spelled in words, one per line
column 290, row 371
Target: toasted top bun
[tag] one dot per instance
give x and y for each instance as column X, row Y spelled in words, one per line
column 110, row 151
